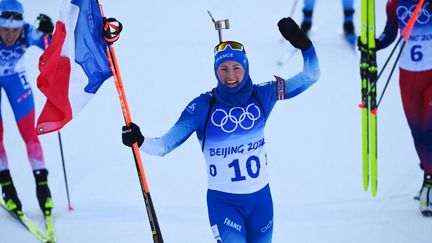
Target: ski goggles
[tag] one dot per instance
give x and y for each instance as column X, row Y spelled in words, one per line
column 13, row 15
column 233, row 44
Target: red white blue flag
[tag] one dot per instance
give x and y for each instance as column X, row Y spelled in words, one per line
column 74, row 66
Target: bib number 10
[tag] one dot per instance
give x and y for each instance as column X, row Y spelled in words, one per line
column 253, row 167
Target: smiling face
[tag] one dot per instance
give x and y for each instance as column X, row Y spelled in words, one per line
column 230, row 73
column 10, row 35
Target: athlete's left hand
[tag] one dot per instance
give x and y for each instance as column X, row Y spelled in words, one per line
column 45, row 24
column 292, row 33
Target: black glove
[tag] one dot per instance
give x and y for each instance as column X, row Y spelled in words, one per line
column 292, row 33
column 131, row 135
column 45, row 24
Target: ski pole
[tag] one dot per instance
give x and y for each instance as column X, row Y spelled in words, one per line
column 391, row 74
column 406, row 32
column 389, row 57
column 110, row 38
column 70, row 208
column 293, row 8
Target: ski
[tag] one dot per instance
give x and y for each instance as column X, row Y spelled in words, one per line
column 364, row 94
column 26, row 222
column 49, row 225
column 368, row 73
column 372, row 76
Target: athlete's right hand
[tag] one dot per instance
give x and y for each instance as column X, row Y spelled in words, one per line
column 363, row 47
column 292, row 33
column 131, row 135
column 46, row 26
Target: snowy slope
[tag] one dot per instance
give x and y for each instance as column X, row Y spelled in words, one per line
column 165, row 56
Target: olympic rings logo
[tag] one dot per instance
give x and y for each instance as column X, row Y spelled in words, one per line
column 15, row 54
column 237, row 116
column 404, row 14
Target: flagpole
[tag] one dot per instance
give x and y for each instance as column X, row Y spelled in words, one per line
column 70, row 208
column 112, row 58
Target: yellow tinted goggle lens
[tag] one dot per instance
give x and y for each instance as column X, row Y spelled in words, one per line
column 234, row 46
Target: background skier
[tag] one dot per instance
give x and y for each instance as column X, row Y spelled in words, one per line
column 15, row 37
column 348, row 25
column 415, row 80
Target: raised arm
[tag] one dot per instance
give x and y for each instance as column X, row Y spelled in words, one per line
column 310, row 73
column 35, row 36
column 304, row 79
column 270, row 92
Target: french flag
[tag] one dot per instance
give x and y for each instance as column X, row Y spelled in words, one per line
column 74, row 66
